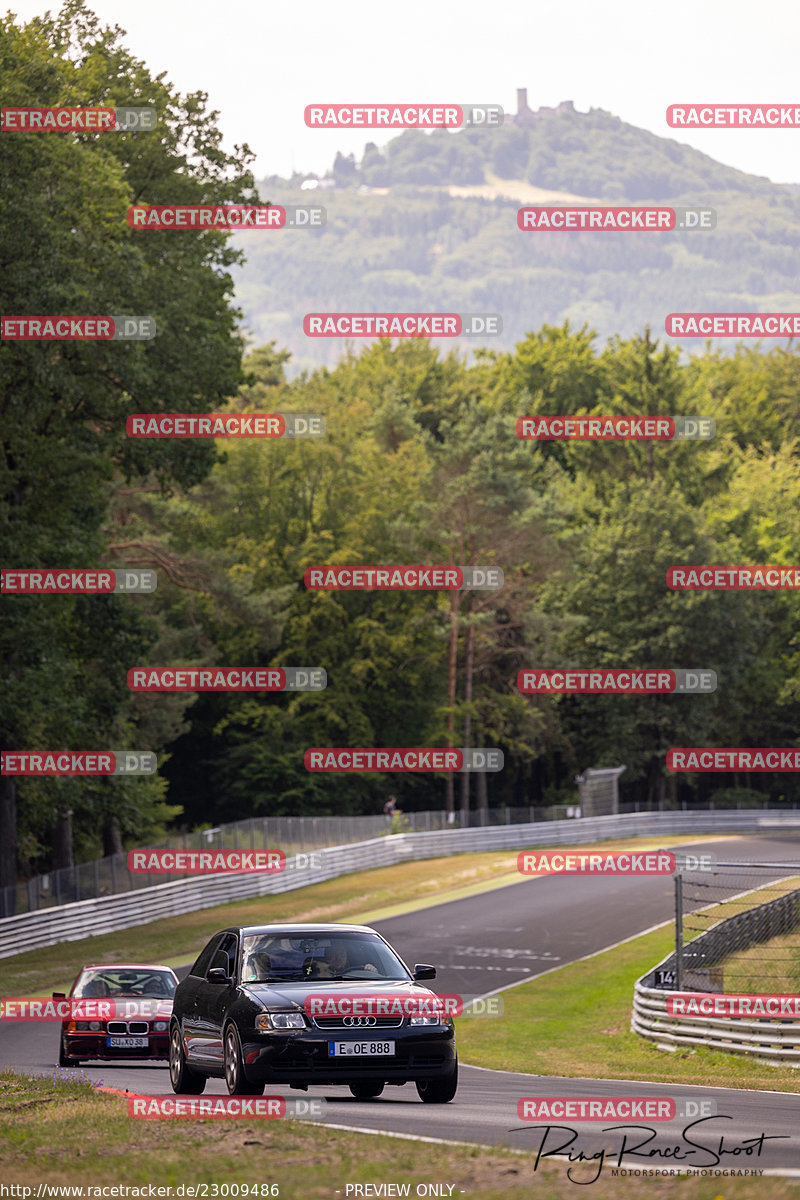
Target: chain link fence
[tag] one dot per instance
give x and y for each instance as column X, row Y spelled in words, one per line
column 737, row 930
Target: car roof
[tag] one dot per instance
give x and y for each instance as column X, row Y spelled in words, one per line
column 126, row 967
column 305, row 927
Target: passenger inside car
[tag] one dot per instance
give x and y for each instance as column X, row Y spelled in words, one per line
column 257, row 967
column 96, row 987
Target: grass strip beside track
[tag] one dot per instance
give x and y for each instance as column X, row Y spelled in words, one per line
column 61, row 1132
column 360, row 898
column 575, row 1021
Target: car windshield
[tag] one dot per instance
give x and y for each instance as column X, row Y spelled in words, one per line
column 126, row 981
column 273, row 958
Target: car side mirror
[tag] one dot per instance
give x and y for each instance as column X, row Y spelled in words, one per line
column 59, row 995
column 424, row 971
column 218, row 975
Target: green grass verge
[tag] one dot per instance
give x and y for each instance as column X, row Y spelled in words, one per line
column 772, row 967
column 63, row 1133
column 575, row 1021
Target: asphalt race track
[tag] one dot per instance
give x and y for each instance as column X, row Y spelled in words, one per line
column 494, row 940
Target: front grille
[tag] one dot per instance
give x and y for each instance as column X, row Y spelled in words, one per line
column 374, row 1023
column 135, row 1028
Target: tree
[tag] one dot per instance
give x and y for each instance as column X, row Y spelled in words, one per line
column 68, row 249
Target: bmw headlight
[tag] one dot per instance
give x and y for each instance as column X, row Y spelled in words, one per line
column 160, row 1026
column 280, row 1020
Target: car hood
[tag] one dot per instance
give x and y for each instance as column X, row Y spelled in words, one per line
column 154, row 1007
column 292, row 995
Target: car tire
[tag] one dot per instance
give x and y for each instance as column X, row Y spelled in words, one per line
column 185, row 1081
column 235, row 1079
column 441, row 1090
column 66, row 1060
column 366, row 1089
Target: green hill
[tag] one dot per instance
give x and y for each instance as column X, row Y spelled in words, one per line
column 422, row 242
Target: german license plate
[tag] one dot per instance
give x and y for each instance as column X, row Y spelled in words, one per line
column 127, row 1043
column 359, row 1049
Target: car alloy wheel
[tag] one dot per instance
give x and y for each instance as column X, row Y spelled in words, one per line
column 185, row 1081
column 235, row 1080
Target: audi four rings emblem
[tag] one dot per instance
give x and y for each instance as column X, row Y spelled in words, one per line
column 351, row 1021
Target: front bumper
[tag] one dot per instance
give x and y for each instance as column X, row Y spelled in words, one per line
column 302, row 1057
column 92, row 1044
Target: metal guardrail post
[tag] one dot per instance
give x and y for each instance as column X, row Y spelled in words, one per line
column 679, row 932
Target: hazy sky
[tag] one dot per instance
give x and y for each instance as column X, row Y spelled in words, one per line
column 262, row 63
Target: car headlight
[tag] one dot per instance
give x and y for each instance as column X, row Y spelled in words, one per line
column 426, row 1020
column 160, row 1026
column 280, row 1020
column 95, row 1025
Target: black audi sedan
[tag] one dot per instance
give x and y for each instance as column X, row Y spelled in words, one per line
column 251, row 1011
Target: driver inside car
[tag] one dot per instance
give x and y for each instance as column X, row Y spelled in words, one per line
column 333, row 965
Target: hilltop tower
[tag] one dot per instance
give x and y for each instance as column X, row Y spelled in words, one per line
column 529, row 116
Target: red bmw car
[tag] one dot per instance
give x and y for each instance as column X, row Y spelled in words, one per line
column 138, row 1026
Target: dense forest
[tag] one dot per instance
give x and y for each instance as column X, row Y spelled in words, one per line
column 420, row 464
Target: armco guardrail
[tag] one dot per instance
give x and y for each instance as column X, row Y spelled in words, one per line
column 70, row 922
column 773, row 1042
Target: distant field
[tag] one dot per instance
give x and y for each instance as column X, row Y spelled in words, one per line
column 517, row 189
